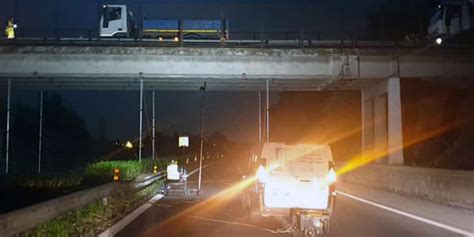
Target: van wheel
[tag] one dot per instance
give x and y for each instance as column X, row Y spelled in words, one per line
column 297, row 234
column 309, row 232
column 244, row 201
column 255, row 218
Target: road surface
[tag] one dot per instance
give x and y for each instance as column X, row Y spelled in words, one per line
column 220, row 215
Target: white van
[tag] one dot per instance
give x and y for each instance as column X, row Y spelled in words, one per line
column 296, row 182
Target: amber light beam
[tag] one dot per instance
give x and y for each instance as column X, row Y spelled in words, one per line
column 376, row 154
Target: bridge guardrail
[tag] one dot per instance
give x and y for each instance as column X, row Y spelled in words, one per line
column 264, row 38
column 26, row 218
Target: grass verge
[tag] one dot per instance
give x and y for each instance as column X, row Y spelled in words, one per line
column 95, row 217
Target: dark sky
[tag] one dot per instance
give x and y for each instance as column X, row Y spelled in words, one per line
column 327, row 16
column 234, row 114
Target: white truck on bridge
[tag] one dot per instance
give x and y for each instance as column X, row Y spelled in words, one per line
column 452, row 19
column 293, row 183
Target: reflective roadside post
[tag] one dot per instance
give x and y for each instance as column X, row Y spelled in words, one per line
column 116, row 174
column 183, row 142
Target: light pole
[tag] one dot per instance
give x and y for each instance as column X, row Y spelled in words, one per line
column 202, row 90
column 7, row 145
column 153, row 125
column 141, row 122
column 40, row 135
column 259, row 117
column 268, row 112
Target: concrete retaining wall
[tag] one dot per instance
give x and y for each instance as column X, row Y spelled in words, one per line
column 451, row 187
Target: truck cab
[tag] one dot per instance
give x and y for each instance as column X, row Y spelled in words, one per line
column 294, row 183
column 451, row 18
column 116, row 21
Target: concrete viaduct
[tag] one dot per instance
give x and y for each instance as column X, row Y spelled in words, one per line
column 375, row 72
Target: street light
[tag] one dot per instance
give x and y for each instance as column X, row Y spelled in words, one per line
column 439, row 40
column 129, row 145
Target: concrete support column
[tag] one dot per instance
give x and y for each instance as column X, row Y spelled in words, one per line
column 395, row 129
column 362, row 121
column 382, row 121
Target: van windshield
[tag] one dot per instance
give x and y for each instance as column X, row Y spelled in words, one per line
column 437, row 15
column 306, row 166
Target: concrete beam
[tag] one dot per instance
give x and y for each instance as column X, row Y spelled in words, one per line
column 64, row 65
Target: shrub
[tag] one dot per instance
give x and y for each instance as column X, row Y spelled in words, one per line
column 129, row 169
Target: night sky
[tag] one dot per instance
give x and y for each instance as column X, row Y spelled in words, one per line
column 326, row 16
column 233, row 114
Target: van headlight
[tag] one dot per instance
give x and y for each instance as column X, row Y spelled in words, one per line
column 331, row 176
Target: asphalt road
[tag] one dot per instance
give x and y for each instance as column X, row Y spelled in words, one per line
column 219, row 214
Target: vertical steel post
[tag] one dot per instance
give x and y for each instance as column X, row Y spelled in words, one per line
column 153, row 124
column 268, row 111
column 40, row 134
column 203, row 91
column 7, row 148
column 141, row 122
column 259, row 117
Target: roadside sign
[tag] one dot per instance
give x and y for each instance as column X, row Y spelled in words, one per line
column 183, row 141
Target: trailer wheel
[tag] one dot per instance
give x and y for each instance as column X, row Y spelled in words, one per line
column 309, row 232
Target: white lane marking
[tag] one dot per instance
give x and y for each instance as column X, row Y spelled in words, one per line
column 237, row 223
column 130, row 217
column 427, row 221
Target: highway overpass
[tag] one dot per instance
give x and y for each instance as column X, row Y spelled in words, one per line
column 374, row 71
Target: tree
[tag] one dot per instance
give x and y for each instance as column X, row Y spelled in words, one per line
column 66, row 141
